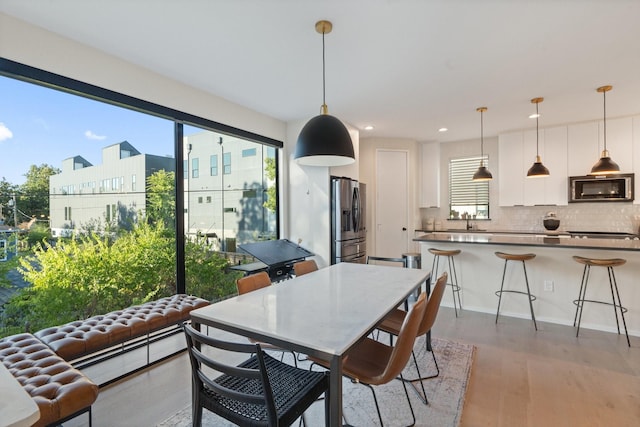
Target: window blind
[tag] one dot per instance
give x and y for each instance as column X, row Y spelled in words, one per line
column 463, row 191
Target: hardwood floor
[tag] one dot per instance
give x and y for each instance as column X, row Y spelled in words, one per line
column 520, row 378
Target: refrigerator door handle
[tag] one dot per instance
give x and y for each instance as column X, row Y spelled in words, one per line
column 356, row 209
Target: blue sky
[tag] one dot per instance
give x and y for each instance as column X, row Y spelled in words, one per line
column 41, row 125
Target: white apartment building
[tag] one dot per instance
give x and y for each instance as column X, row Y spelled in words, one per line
column 225, row 189
column 85, row 195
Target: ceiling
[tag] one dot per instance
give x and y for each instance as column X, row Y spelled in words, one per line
column 407, row 67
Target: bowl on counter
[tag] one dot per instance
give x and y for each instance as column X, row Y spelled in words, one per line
column 550, row 221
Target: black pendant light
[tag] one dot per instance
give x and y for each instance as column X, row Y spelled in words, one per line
column 537, row 169
column 324, row 140
column 482, row 174
column 605, row 165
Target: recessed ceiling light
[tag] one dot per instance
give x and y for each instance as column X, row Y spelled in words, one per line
column 443, row 130
column 368, row 127
column 534, row 116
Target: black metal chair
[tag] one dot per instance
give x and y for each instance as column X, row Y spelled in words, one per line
column 382, row 260
column 261, row 391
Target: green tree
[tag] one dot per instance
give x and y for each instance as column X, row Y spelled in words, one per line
column 34, row 197
column 96, row 274
column 270, row 170
column 161, row 198
column 7, row 190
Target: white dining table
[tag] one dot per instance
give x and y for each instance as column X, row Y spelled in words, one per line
column 322, row 314
column 17, row 408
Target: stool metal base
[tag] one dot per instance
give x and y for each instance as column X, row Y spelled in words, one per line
column 617, row 303
column 455, row 287
column 528, row 292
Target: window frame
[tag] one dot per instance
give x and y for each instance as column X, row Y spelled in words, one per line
column 16, row 70
column 467, row 193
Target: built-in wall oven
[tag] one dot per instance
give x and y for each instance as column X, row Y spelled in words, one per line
column 601, row 188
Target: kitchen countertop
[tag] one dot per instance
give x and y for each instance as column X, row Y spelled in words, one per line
column 537, row 239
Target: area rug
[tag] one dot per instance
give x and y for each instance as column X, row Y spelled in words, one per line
column 445, row 393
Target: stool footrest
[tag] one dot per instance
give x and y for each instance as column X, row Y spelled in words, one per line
column 578, row 301
column 532, row 297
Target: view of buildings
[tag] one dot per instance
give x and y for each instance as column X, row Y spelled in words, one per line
column 225, row 189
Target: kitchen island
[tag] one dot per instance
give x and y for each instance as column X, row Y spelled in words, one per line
column 554, row 277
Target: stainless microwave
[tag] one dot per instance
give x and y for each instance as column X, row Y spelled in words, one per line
column 601, row 188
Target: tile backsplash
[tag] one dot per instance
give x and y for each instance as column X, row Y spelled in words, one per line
column 609, row 217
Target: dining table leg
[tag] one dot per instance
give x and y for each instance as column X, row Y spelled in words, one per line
column 335, row 393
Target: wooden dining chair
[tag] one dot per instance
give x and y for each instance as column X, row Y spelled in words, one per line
column 373, row 363
column 392, row 324
column 304, row 267
column 254, row 282
column 259, row 391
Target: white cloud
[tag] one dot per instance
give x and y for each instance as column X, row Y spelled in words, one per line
column 5, row 132
column 91, row 135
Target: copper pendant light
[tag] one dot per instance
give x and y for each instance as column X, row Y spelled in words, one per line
column 482, row 174
column 605, row 165
column 324, row 140
column 537, row 169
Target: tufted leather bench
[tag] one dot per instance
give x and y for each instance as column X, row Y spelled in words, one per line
column 86, row 337
column 60, row 391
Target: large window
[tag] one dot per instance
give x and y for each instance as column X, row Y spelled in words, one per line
column 467, row 198
column 77, row 135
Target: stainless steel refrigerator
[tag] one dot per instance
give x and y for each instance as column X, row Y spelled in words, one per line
column 348, row 221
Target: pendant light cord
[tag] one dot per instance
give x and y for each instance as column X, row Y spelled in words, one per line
column 324, row 102
column 537, row 132
column 481, row 138
column 604, row 108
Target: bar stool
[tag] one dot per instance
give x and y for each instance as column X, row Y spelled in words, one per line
column 455, row 287
column 613, row 285
column 516, row 257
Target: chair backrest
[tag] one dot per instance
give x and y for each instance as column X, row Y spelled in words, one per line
column 404, row 343
column 304, row 267
column 246, row 371
column 433, row 304
column 384, row 260
column 252, row 282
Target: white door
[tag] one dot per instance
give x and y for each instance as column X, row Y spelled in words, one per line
column 392, row 217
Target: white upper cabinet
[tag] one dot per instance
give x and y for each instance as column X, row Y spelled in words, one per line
column 430, row 175
column 583, row 150
column 533, row 188
column 517, row 153
column 619, row 142
column 510, row 161
column 556, row 185
column 586, row 142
